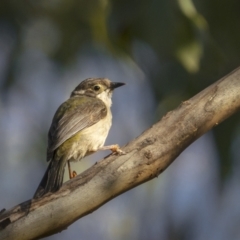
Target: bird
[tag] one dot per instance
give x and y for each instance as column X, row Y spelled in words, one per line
column 79, row 128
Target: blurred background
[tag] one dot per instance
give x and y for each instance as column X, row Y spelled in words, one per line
column 166, row 52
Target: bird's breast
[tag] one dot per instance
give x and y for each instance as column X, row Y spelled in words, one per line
column 91, row 138
column 97, row 133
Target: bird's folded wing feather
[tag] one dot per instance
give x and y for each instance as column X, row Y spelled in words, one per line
column 73, row 116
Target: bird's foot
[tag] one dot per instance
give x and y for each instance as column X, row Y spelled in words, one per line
column 114, row 148
column 72, row 174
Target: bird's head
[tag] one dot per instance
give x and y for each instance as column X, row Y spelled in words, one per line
column 101, row 88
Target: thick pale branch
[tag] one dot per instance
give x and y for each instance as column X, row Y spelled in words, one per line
column 146, row 157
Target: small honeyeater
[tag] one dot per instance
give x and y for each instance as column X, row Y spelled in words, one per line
column 79, row 127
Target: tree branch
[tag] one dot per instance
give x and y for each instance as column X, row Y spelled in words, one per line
column 146, row 157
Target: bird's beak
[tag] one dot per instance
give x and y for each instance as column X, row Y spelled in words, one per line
column 116, row 85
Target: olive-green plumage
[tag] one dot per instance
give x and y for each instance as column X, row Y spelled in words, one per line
column 79, row 127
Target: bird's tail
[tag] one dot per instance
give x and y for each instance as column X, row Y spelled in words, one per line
column 52, row 179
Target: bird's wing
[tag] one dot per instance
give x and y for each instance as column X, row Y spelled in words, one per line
column 71, row 117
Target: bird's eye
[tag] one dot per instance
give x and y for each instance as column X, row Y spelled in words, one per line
column 96, row 88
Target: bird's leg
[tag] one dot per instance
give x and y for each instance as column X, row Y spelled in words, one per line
column 69, row 170
column 114, row 148
column 71, row 173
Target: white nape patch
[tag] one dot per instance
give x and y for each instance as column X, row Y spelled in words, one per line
column 106, row 96
column 80, row 92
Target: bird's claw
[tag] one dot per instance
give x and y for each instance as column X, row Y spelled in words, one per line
column 116, row 150
column 74, row 174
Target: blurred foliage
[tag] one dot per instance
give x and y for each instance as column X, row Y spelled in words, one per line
column 181, row 45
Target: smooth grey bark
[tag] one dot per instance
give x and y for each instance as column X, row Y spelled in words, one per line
column 146, row 157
